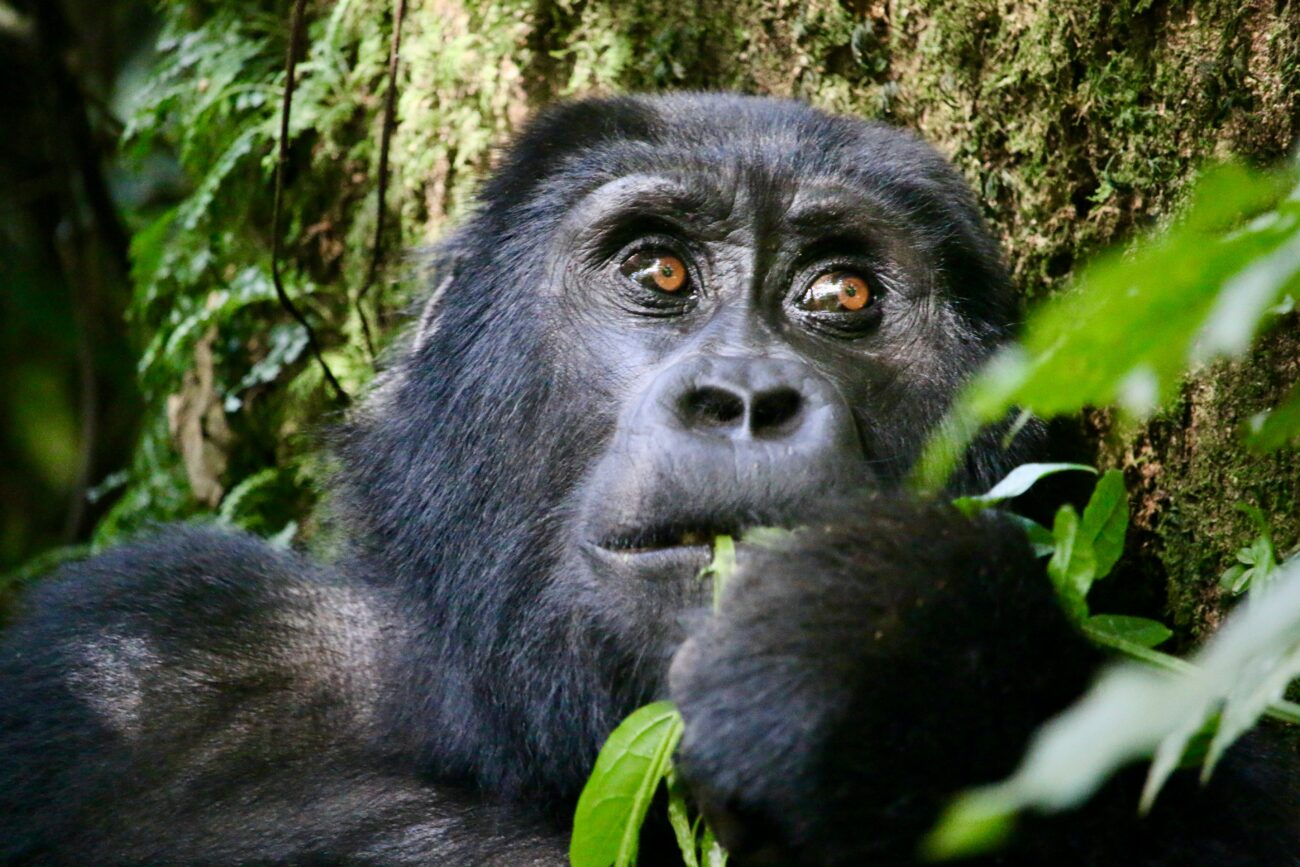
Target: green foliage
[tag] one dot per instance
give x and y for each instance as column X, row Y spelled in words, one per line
column 204, row 311
column 636, row 759
column 1134, row 711
column 1135, row 324
column 1128, row 334
column 1269, row 431
column 1139, row 631
column 1256, row 563
column 695, row 838
column 1083, row 550
column 1087, row 548
column 628, row 771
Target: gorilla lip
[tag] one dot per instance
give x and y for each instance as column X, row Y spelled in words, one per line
column 664, row 538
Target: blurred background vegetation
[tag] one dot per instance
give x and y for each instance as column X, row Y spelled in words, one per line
column 150, row 373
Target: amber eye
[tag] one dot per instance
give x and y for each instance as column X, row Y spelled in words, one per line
column 655, row 270
column 837, row 292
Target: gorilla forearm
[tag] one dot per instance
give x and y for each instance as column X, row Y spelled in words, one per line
column 317, row 813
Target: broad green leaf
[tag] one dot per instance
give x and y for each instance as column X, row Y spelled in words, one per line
column 1072, row 566
column 613, row 804
column 1270, row 431
column 1085, row 549
column 1135, row 711
column 1105, row 522
column 1017, row 482
column 637, row 756
column 1136, row 630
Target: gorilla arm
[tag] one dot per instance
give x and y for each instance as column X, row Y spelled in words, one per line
column 202, row 698
column 864, row 673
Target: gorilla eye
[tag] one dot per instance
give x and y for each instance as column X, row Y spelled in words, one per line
column 836, row 292
column 655, row 270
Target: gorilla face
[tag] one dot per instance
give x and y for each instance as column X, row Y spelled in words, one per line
column 773, row 326
column 672, row 317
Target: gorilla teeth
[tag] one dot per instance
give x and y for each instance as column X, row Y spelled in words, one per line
column 661, row 538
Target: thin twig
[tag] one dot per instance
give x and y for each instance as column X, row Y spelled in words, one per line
column 381, row 194
column 296, row 28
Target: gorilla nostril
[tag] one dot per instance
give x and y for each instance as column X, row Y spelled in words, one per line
column 772, row 409
column 708, row 406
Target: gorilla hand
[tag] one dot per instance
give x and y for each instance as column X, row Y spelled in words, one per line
column 862, row 673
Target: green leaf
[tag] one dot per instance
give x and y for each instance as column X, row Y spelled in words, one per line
column 1105, row 522
column 1270, row 431
column 975, row 823
column 1019, row 480
column 1085, row 549
column 1072, row 566
column 1040, row 538
column 1262, row 684
column 713, row 853
column 721, row 566
column 1235, row 579
column 613, row 804
column 680, row 819
column 1136, row 630
column 1257, row 562
column 1136, row 322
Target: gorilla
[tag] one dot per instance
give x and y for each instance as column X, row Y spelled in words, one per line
column 668, row 318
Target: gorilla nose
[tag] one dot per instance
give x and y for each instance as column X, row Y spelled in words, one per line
column 725, row 410
column 717, row 444
column 773, row 401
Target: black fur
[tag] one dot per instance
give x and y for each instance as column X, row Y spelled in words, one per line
column 519, row 503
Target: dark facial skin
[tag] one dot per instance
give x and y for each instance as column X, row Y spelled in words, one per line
column 738, row 405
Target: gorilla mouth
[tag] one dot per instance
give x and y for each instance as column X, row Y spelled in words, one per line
column 666, row 537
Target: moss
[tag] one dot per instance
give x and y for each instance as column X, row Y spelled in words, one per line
column 1192, row 526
